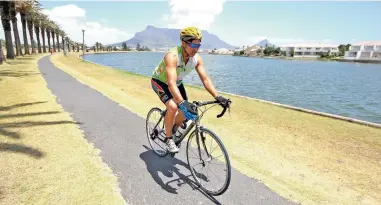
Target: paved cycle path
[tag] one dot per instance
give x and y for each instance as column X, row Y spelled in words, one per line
column 143, row 177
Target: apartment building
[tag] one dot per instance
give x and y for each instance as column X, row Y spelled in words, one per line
column 365, row 50
column 309, row 50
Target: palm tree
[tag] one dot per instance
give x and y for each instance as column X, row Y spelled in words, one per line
column 63, row 34
column 44, row 25
column 49, row 30
column 24, row 7
column 58, row 30
column 13, row 11
column 36, row 22
column 5, row 19
column 52, row 31
column 29, row 19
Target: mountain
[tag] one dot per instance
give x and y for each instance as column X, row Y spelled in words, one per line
column 164, row 38
column 264, row 42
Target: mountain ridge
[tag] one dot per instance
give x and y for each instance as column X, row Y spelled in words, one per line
column 264, row 43
column 164, row 38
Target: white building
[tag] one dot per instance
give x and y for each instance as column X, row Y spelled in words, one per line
column 366, row 50
column 222, row 51
column 309, row 50
column 251, row 50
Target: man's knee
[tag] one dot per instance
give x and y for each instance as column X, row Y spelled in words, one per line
column 171, row 106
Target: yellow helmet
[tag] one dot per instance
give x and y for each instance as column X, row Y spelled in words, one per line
column 190, row 33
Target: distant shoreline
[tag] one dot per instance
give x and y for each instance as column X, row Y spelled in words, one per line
column 264, row 57
column 312, row 59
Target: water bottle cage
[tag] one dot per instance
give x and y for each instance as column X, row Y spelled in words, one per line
column 183, row 125
column 179, row 132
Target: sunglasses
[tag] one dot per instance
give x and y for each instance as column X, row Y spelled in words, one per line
column 194, row 45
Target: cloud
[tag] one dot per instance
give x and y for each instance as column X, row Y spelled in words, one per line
column 72, row 19
column 200, row 13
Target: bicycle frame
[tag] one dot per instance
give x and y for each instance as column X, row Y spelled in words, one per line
column 191, row 126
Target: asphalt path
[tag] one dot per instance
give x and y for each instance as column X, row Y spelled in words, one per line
column 143, row 177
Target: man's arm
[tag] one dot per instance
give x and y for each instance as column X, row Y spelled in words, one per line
column 204, row 77
column 171, row 63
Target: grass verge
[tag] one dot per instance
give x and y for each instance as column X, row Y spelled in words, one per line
column 304, row 157
column 44, row 157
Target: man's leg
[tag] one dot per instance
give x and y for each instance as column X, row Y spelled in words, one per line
column 170, row 116
column 169, row 120
column 180, row 115
column 179, row 119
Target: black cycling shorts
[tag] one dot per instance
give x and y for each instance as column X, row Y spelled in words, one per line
column 163, row 92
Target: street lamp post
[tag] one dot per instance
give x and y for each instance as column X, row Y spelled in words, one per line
column 83, row 43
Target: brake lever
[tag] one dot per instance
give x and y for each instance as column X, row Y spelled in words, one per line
column 222, row 113
column 224, row 110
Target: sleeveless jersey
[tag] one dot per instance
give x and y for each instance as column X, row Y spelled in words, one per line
column 160, row 72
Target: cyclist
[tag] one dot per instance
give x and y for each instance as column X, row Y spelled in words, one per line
column 167, row 82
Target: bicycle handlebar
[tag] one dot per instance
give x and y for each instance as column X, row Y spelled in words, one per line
column 199, row 104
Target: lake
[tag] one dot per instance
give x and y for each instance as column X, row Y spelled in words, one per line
column 346, row 89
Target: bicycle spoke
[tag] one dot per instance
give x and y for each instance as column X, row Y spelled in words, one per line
column 213, row 173
column 213, row 150
column 217, row 164
column 218, row 156
column 197, row 164
column 195, row 157
column 213, row 184
column 194, row 153
column 155, row 126
column 159, row 145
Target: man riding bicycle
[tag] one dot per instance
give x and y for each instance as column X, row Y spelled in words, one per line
column 167, row 82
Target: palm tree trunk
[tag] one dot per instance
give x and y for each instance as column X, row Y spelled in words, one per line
column 12, row 5
column 23, row 22
column 30, row 28
column 5, row 19
column 63, row 42
column 48, row 36
column 58, row 42
column 54, row 42
column 43, row 40
column 37, row 32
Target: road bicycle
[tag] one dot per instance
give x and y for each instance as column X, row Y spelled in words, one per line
column 201, row 153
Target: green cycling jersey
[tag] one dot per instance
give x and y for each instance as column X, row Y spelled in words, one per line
column 160, row 72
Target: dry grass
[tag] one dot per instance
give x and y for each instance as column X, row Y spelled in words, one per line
column 44, row 157
column 307, row 158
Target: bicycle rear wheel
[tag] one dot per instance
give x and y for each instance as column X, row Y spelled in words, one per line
column 155, row 131
column 209, row 152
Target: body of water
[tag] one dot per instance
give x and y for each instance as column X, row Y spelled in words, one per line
column 346, row 89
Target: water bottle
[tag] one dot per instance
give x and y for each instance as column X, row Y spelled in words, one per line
column 181, row 129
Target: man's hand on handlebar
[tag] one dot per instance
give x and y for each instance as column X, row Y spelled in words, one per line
column 189, row 110
column 223, row 101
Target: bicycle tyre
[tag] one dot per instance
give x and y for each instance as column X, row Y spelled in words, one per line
column 148, row 135
column 222, row 147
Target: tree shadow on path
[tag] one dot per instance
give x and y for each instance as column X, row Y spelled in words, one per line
column 9, row 129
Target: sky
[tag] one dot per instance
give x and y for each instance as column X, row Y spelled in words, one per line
column 236, row 22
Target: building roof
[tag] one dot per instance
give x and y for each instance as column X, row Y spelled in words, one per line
column 368, row 43
column 313, row 45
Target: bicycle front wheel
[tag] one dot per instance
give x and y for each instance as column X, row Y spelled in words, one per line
column 208, row 161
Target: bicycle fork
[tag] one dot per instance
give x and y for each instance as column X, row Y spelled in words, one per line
column 198, row 136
